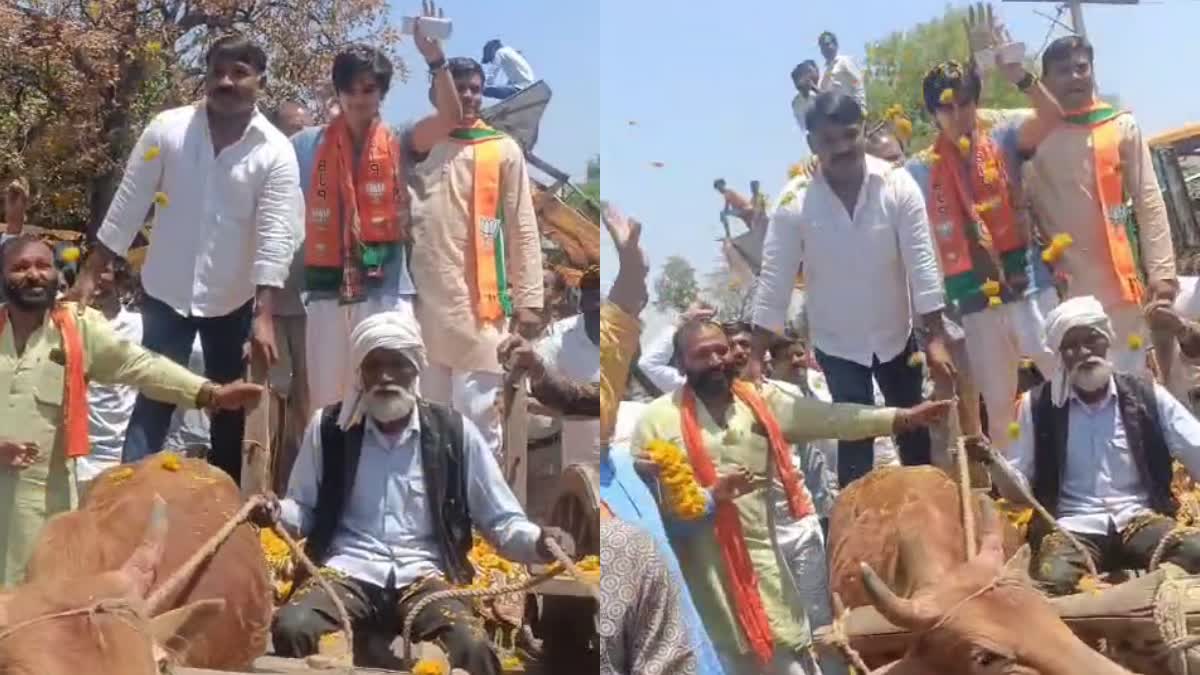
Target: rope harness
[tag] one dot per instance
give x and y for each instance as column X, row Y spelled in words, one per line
column 117, row 607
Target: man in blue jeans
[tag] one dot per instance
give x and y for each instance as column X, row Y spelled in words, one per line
column 225, row 189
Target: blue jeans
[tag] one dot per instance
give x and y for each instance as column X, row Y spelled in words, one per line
column 501, row 91
column 222, row 339
column 850, row 382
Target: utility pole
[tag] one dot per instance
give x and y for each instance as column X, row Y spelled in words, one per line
column 1076, row 7
column 1077, row 18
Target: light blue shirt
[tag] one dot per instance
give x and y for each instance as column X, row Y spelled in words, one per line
column 387, row 525
column 396, row 279
column 1101, row 482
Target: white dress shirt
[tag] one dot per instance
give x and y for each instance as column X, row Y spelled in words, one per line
column 656, row 363
column 862, row 274
column 229, row 218
column 517, row 70
column 567, row 349
column 1101, row 482
column 800, row 106
column 387, row 525
column 109, row 408
column 843, row 75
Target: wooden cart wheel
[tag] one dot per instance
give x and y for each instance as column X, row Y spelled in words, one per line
column 576, row 509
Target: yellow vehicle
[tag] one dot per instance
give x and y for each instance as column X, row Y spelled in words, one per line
column 1177, row 163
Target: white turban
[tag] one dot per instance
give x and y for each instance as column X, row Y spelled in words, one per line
column 394, row 330
column 1081, row 311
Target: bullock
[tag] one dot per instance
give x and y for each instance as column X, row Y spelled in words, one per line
column 978, row 617
column 82, row 608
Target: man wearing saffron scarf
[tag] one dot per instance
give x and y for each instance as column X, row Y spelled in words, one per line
column 477, row 257
column 1093, row 179
column 970, row 179
column 354, row 175
column 48, row 354
column 737, row 440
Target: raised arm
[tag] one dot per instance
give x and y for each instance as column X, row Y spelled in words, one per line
column 433, row 129
column 619, row 326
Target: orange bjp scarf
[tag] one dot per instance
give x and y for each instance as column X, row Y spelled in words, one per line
column 353, row 217
column 985, row 206
column 741, row 580
column 492, row 301
column 75, row 403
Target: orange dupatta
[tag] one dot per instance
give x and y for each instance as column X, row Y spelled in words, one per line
column 1106, row 151
column 352, row 216
column 75, row 403
column 487, row 222
column 952, row 210
column 741, row 580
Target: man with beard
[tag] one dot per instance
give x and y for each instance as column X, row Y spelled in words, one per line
column 1093, row 178
column 387, row 489
column 224, row 186
column 357, row 235
column 737, row 441
column 859, row 227
column 1096, row 447
column 477, row 257
column 48, row 354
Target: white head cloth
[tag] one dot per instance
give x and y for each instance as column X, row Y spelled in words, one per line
column 386, row 330
column 1081, row 311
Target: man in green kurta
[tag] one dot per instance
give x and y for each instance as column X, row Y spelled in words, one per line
column 47, row 352
column 737, row 441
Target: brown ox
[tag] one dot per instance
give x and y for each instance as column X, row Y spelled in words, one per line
column 981, row 617
column 98, row 553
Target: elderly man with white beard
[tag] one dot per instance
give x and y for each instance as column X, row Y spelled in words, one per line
column 387, row 488
column 1095, row 448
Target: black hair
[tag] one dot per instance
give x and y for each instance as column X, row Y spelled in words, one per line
column 19, row 242
column 954, row 76
column 803, row 66
column 827, row 37
column 358, row 60
column 489, row 49
column 277, row 114
column 239, row 48
column 686, row 331
column 464, row 66
column 1062, row 49
column 732, row 328
column 832, row 107
column 719, row 183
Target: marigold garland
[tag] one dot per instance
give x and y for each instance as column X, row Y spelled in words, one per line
column 683, row 494
column 428, row 667
column 1058, row 246
column 171, row 461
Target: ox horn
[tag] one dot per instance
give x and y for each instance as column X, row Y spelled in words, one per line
column 903, row 612
column 143, row 564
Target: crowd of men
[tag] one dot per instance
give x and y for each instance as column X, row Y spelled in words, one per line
column 381, row 272
column 1015, row 274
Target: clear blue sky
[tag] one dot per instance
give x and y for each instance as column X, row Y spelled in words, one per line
column 708, row 86
column 561, row 42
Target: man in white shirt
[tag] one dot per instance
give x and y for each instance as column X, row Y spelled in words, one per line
column 225, row 189
column 860, row 228
column 572, row 349
column 388, row 489
column 841, row 74
column 806, row 77
column 109, row 405
column 518, row 73
column 1095, row 448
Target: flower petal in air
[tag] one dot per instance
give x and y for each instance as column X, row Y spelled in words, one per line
column 1135, row 342
column 152, row 153
column 1014, row 430
column 161, row 199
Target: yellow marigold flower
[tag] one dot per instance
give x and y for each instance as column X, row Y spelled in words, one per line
column 428, row 667
column 154, row 48
column 1014, row 430
column 171, row 461
column 995, row 301
column 121, row 474
column 1135, row 342
column 274, row 549
column 991, row 175
column 964, row 146
column 1089, row 584
column 796, row 170
column 161, row 199
column 511, row 662
column 916, row 360
column 70, row 255
column 991, row 288
column 788, row 198
column 947, row 97
column 589, row 564
column 904, row 129
column 1058, row 245
column 152, row 153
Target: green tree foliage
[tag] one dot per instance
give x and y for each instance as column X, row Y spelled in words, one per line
column 588, row 202
column 897, row 64
column 676, row 285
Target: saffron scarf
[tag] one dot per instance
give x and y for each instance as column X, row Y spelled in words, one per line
column 74, row 401
column 1120, row 225
column 982, row 211
column 492, row 302
column 354, row 216
column 742, row 582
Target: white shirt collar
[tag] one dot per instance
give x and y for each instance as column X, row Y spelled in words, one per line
column 389, row 441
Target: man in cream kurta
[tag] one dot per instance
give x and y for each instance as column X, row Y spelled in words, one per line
column 38, row 480
column 463, row 370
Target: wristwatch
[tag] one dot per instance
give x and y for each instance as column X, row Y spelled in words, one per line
column 1027, row 82
column 437, row 65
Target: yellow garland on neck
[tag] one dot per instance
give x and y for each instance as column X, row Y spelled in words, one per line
column 682, row 494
